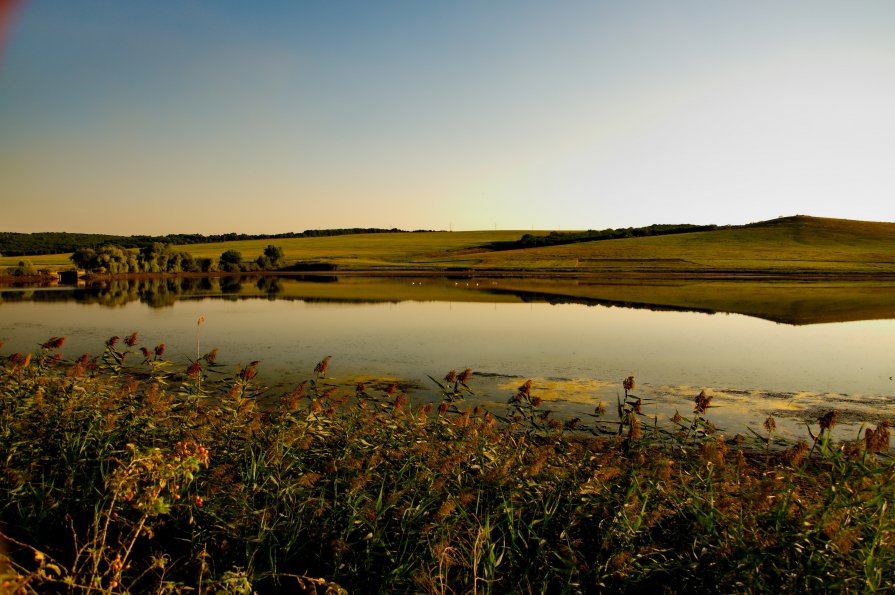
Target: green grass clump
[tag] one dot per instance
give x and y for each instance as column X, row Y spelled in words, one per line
column 126, row 472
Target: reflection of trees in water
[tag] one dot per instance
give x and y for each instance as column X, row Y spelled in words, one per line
column 270, row 285
column 161, row 293
column 231, row 284
column 17, row 296
column 155, row 293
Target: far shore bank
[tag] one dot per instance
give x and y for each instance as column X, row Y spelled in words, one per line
column 603, row 276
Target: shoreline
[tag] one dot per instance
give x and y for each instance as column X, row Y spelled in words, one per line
column 730, row 275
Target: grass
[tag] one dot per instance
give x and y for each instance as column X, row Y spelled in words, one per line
column 788, row 246
column 793, row 245
column 381, row 250
column 131, row 473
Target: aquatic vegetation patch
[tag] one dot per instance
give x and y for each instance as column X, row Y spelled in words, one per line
column 130, row 472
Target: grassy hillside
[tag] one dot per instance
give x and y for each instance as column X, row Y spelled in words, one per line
column 362, row 251
column 790, row 245
column 373, row 251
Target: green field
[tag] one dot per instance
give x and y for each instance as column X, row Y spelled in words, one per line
column 786, row 246
column 791, row 245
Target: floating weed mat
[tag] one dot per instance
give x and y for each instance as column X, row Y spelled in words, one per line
column 167, row 477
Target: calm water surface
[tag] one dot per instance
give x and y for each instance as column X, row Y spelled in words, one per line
column 409, row 328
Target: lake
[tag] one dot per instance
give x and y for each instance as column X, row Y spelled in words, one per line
column 791, row 349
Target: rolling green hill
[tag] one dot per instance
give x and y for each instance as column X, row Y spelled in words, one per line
column 790, row 245
column 785, row 246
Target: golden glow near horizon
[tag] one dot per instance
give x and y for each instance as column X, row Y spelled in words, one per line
column 213, row 117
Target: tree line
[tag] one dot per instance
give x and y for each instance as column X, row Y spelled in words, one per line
column 30, row 244
column 573, row 237
column 113, row 259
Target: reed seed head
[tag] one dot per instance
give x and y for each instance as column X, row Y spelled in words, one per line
column 194, row 370
column 828, row 420
column 877, row 440
column 322, row 366
column 797, row 454
column 249, row 372
column 702, row 402
column 629, row 383
column 54, row 343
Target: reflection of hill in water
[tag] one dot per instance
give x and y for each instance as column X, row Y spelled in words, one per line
column 789, row 302
column 556, row 300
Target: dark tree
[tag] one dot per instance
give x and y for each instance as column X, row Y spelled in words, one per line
column 230, row 261
column 274, row 255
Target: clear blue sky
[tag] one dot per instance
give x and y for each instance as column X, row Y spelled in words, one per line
column 213, row 116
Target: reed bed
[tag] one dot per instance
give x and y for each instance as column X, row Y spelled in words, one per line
column 128, row 472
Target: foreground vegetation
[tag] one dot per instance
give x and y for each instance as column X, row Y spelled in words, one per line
column 128, row 472
column 782, row 247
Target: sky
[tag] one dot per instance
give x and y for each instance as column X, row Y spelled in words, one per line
column 218, row 116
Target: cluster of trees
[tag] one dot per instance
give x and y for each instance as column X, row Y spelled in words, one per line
column 157, row 258
column 25, row 268
column 573, row 237
column 270, row 260
column 162, row 258
column 23, row 244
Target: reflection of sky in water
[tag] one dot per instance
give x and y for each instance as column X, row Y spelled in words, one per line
column 570, row 341
column 413, row 339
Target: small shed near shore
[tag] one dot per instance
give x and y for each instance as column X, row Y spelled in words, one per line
column 70, row 276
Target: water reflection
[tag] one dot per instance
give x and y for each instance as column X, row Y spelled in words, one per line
column 156, row 292
column 789, row 302
column 575, row 337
